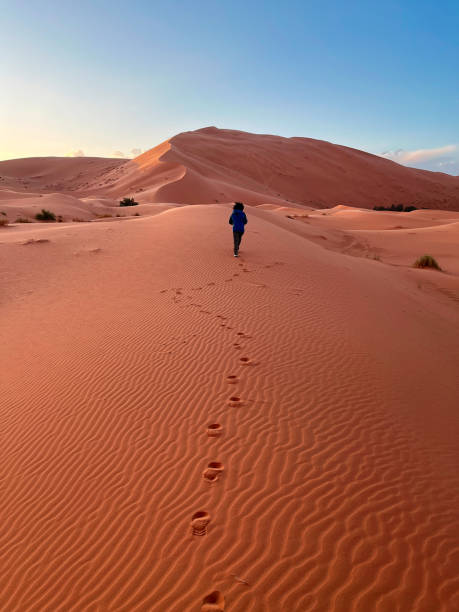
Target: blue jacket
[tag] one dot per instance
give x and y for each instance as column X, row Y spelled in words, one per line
column 238, row 220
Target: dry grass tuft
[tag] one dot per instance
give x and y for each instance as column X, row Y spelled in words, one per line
column 426, row 261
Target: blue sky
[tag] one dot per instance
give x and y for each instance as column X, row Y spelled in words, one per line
column 96, row 77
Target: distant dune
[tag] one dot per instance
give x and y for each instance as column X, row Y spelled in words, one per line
column 214, row 166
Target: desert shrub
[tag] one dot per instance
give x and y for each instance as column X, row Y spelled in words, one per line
column 59, row 219
column 78, row 220
column 128, row 202
column 396, row 208
column 45, row 215
column 23, row 220
column 3, row 222
column 103, row 216
column 3, row 213
column 426, row 261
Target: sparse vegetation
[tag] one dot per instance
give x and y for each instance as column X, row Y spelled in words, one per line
column 23, row 220
column 3, row 213
column 297, row 216
column 128, row 202
column 3, row 222
column 426, row 261
column 103, row 216
column 396, row 208
column 78, row 220
column 45, row 215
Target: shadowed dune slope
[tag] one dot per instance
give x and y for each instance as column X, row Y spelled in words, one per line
column 330, row 380
column 212, row 165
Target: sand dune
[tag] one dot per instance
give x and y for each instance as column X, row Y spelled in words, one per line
column 184, row 431
column 54, row 173
column 218, row 166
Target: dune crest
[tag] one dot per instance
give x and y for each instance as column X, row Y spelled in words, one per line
column 211, row 165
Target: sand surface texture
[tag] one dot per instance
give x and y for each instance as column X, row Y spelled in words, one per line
column 187, row 431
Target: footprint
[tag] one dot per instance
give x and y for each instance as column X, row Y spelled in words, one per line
column 36, row 241
column 213, row 471
column 234, row 401
column 232, row 379
column 214, row 602
column 199, row 522
column 245, row 361
column 237, row 346
column 214, row 430
column 210, row 284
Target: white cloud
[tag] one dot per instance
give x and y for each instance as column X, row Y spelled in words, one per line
column 132, row 153
column 78, row 153
column 446, row 163
column 419, row 155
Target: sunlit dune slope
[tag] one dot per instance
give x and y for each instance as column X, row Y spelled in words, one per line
column 212, row 165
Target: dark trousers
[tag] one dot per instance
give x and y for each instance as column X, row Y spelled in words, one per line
column 237, row 241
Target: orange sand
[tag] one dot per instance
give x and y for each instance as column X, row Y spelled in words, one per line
column 295, row 409
column 215, row 166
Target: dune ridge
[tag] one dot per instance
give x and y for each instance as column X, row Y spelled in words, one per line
column 213, row 165
column 339, row 489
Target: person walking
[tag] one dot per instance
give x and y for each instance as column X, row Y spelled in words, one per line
column 238, row 220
